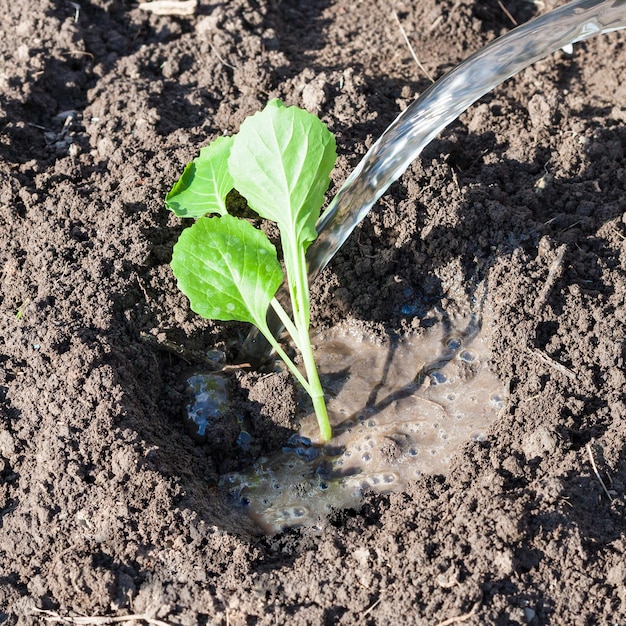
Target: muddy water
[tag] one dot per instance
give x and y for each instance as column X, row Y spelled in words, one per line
column 399, row 410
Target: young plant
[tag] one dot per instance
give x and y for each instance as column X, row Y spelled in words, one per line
column 280, row 162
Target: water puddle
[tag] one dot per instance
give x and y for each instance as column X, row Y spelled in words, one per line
column 399, row 410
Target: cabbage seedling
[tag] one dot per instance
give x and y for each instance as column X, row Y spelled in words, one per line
column 280, row 162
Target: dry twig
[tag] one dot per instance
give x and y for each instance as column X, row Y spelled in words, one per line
column 439, row 19
column 559, row 367
column 96, row 620
column 508, row 13
column 170, row 7
column 408, row 43
column 595, row 470
column 371, row 608
column 221, row 59
column 459, row 618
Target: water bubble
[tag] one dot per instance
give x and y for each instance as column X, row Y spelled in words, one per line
column 468, row 356
column 230, row 306
column 366, row 457
column 296, row 439
column 497, row 400
column 451, row 397
column 477, row 436
column 454, row 343
column 437, row 378
column 262, row 251
column 210, row 397
column 389, row 478
column 412, row 452
column 244, row 440
column 408, row 309
column 215, row 356
column 371, row 423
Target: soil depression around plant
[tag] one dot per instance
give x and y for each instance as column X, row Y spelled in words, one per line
column 109, row 507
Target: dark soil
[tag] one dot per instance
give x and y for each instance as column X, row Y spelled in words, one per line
column 108, row 507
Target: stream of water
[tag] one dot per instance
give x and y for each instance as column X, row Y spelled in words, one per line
column 437, row 107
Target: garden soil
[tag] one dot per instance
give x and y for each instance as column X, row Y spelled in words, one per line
column 109, row 508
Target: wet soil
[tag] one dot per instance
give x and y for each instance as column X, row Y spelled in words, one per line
column 108, row 507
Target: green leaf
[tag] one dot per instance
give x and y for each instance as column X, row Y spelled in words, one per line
column 204, row 184
column 280, row 162
column 228, row 269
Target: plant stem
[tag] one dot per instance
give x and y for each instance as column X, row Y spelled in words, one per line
column 287, row 322
column 284, row 356
column 299, row 288
column 316, row 392
column 314, row 389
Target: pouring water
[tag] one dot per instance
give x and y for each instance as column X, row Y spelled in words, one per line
column 438, row 106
